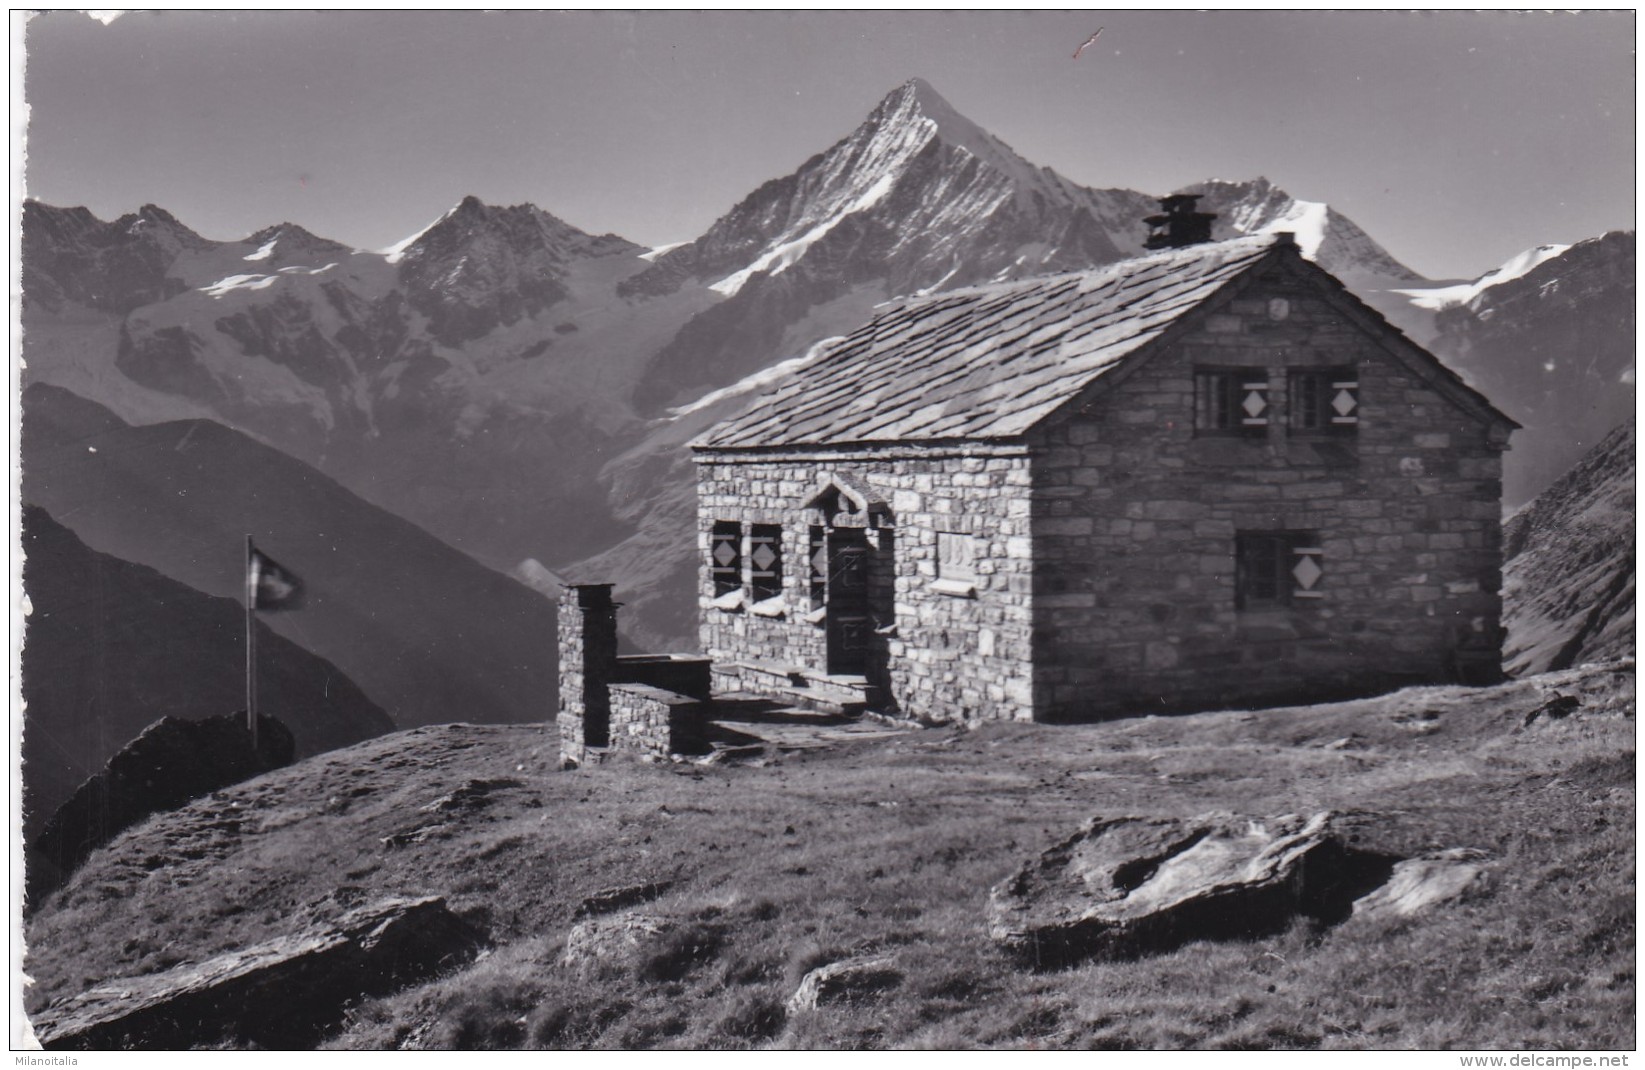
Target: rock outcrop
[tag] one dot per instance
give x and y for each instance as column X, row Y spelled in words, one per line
column 1127, row 886
column 286, row 993
column 846, row 981
column 1417, row 884
column 172, row 762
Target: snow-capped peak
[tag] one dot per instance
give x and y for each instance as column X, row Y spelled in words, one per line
column 265, row 251
column 1450, row 296
column 862, row 170
column 395, row 252
column 1304, row 219
column 1322, row 234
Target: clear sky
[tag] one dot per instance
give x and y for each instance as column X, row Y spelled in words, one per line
column 1455, row 139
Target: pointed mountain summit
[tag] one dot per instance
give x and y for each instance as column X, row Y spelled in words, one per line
column 69, row 255
column 479, row 266
column 287, row 244
column 1324, row 235
column 917, row 197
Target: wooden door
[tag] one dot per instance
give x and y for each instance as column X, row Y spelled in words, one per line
column 849, row 625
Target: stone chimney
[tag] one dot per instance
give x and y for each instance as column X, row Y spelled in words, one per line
column 1178, row 224
column 588, row 661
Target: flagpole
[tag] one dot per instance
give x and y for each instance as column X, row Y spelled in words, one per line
column 251, row 646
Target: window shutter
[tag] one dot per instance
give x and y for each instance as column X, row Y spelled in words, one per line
column 1344, row 401
column 817, row 558
column 1253, row 403
column 725, row 556
column 765, row 560
column 1230, row 401
column 1275, row 568
column 1307, row 566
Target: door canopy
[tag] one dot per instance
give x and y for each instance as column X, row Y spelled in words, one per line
column 846, row 501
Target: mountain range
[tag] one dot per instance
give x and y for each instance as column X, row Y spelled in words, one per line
column 522, row 389
column 427, row 633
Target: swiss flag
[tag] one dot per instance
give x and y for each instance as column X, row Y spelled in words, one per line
column 271, row 586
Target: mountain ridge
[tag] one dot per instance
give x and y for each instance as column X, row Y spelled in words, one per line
column 497, row 376
column 427, row 633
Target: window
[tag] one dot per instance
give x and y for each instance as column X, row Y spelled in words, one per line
column 725, row 556
column 765, row 560
column 1324, row 400
column 1275, row 568
column 817, row 557
column 1231, row 401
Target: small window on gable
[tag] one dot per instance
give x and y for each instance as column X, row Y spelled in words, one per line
column 1231, row 401
column 725, row 556
column 1273, row 569
column 1324, row 401
column 765, row 561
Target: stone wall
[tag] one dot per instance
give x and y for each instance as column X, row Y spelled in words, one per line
column 685, row 674
column 940, row 652
column 588, row 657
column 1135, row 517
column 653, row 721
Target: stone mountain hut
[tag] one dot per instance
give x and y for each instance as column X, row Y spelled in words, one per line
column 1206, row 477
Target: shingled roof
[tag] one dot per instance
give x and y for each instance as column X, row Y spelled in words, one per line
column 987, row 362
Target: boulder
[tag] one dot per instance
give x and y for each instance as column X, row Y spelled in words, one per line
column 614, row 938
column 1419, row 883
column 1126, row 886
column 286, row 993
column 846, row 981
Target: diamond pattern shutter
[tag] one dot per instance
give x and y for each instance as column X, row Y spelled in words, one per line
column 725, row 556
column 1253, row 403
column 765, row 560
column 1325, row 401
column 1230, row 401
column 1344, row 401
column 1308, row 565
column 1276, row 568
column 817, row 559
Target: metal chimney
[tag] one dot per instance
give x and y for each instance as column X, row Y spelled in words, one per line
column 1178, row 224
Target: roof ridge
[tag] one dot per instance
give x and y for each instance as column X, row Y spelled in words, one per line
column 1130, row 264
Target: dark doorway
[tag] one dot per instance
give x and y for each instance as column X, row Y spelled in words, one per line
column 849, row 624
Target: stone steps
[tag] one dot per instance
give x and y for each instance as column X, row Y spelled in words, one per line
column 794, row 685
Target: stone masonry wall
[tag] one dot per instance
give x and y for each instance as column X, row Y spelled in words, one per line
column 952, row 656
column 653, row 721
column 1134, row 521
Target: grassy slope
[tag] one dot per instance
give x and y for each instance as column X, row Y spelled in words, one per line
column 893, row 846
